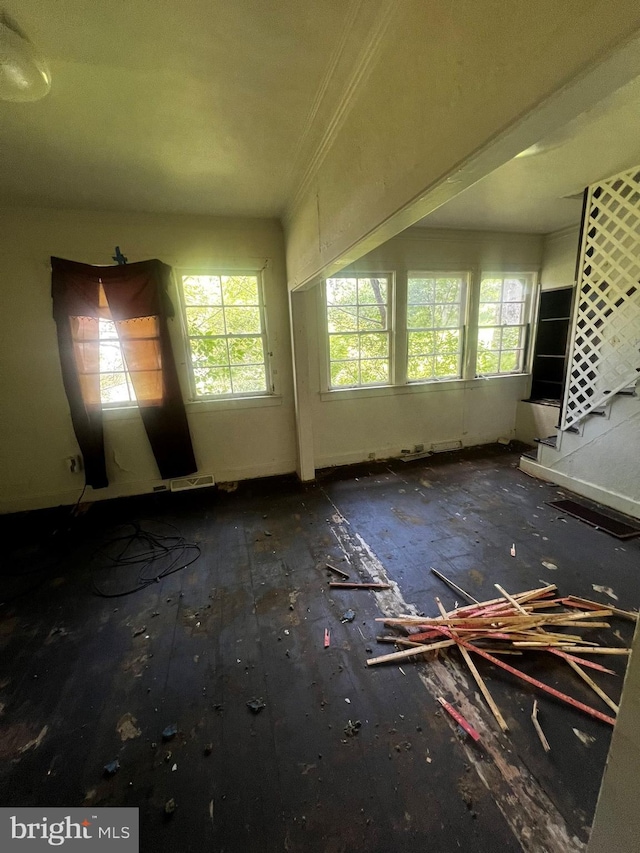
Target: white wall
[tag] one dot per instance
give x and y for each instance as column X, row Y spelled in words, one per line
column 349, row 425
column 435, row 86
column 559, row 258
column 232, row 440
column 603, row 462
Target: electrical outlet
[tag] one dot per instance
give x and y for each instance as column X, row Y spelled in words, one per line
column 74, row 463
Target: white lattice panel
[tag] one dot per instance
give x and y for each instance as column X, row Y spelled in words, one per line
column 605, row 353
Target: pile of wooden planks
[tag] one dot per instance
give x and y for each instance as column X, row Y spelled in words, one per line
column 534, row 620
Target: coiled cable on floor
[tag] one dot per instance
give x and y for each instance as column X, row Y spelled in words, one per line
column 147, row 554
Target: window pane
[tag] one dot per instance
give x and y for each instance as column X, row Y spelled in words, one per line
column 240, row 289
column 513, row 290
column 107, row 330
column 489, row 338
column 205, row 321
column 509, row 361
column 213, row 380
column 342, row 319
column 110, row 357
column 209, row 351
column 344, row 373
column 447, row 366
column 342, row 291
column 447, row 342
column 511, row 336
column 489, row 314
column 512, row 312
column 343, row 347
column 421, row 290
column 446, row 316
column 374, row 371
column 372, row 290
column 248, row 378
column 421, row 343
column 448, row 290
column 419, row 317
column 422, row 367
column 246, row 351
column 241, row 320
column 114, row 388
column 491, row 290
column 202, row 289
column 488, row 362
column 372, row 317
column 374, row 346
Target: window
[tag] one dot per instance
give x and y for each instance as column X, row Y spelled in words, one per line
column 502, row 323
column 115, row 382
column 431, row 327
column 224, row 317
column 358, row 326
column 435, row 321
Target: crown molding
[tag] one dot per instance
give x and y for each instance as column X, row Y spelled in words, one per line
column 364, row 64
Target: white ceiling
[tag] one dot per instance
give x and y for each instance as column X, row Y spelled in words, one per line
column 196, row 106
column 529, row 192
column 217, row 107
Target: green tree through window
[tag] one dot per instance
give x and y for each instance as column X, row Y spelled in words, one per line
column 226, row 334
column 435, row 319
column 358, row 326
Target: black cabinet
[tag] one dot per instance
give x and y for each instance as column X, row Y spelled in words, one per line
column 550, row 349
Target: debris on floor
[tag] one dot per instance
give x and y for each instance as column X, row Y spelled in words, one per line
column 605, row 590
column 348, row 616
column 352, row 729
column 170, row 732
column 338, row 572
column 256, row 705
column 538, row 727
column 531, row 621
column 460, row 720
column 112, row 767
column 170, row 806
column 584, row 738
column 327, row 638
column 362, row 585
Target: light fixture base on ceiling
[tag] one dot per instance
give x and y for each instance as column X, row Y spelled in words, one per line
column 24, row 75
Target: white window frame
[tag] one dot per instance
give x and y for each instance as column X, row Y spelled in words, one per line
column 269, row 390
column 465, row 276
column 531, row 288
column 326, row 335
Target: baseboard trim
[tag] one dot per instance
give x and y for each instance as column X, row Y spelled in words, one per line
column 606, row 497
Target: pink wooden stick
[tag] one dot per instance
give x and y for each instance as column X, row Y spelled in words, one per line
column 460, row 720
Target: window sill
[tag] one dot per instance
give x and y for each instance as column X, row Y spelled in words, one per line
column 202, row 406
column 196, row 407
column 416, row 387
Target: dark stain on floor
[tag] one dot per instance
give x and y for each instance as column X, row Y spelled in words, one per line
column 247, row 621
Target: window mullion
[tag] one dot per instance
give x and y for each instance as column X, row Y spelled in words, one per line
column 470, row 353
column 398, row 330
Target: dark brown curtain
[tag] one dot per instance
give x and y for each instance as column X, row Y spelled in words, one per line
column 135, row 297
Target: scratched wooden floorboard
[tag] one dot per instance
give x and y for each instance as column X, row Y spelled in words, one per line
column 260, row 575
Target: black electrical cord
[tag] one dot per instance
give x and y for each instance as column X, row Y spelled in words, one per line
column 154, row 555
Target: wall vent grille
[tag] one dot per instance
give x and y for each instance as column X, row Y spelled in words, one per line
column 199, row 482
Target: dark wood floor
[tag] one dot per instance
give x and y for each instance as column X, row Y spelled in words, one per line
column 246, row 621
